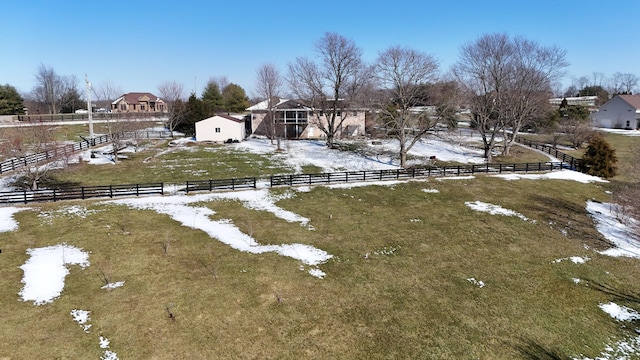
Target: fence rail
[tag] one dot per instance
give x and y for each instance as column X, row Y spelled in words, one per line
column 80, row 193
column 573, row 162
column 147, row 134
column 224, row 184
column 97, row 116
column 379, row 175
column 16, row 163
column 87, row 192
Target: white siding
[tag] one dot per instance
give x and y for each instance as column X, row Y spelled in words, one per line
column 219, row 129
column 615, row 114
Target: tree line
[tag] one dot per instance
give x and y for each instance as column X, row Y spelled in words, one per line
column 505, row 82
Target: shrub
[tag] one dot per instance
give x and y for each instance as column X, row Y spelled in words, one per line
column 599, row 159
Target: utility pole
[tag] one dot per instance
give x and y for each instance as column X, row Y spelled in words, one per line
column 89, row 108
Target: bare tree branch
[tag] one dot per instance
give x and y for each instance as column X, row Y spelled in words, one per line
column 329, row 84
column 401, row 72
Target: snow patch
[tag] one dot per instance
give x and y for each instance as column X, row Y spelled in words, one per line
column 478, row 283
column 493, row 209
column 616, row 228
column 45, row 271
column 7, row 222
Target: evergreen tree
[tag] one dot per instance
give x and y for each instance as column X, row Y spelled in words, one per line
column 595, row 90
column 195, row 110
column 564, row 103
column 71, row 101
column 235, row 99
column 11, row 103
column 212, row 98
column 575, row 112
column 599, row 159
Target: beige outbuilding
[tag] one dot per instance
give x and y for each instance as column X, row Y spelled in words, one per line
column 220, row 128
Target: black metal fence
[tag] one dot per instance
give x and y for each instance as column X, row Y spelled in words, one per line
column 574, row 163
column 224, row 184
column 379, row 175
column 63, row 151
column 81, row 193
column 111, row 191
column 16, row 163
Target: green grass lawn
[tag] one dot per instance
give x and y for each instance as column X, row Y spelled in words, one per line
column 397, row 286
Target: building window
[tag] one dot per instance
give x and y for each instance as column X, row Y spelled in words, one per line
column 123, row 107
column 217, row 130
column 141, row 107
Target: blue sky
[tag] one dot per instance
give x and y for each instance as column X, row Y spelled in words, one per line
column 138, row 45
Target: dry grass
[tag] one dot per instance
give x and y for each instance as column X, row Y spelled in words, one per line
column 396, row 288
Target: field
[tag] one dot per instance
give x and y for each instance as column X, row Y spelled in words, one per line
column 414, row 272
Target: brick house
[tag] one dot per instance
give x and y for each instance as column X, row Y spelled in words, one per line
column 138, row 102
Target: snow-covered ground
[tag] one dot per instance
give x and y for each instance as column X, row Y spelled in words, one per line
column 314, row 152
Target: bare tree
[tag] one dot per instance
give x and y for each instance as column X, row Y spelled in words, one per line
column 482, row 70
column 329, row 84
column 221, row 81
column 401, row 72
column 623, row 83
column 269, row 87
column 49, row 88
column 172, row 93
column 509, row 83
column 534, row 68
column 580, row 83
column 576, row 131
column 598, row 78
column 26, row 143
column 106, row 93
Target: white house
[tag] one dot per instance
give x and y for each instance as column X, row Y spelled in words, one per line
column 220, row 128
column 621, row 112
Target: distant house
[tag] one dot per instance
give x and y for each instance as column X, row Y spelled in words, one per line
column 590, row 102
column 293, row 119
column 621, row 112
column 137, row 102
column 220, row 128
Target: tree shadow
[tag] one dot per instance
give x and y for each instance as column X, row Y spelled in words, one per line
column 573, row 220
column 617, row 294
column 530, row 349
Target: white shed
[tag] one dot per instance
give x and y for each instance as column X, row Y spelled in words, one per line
column 220, row 128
